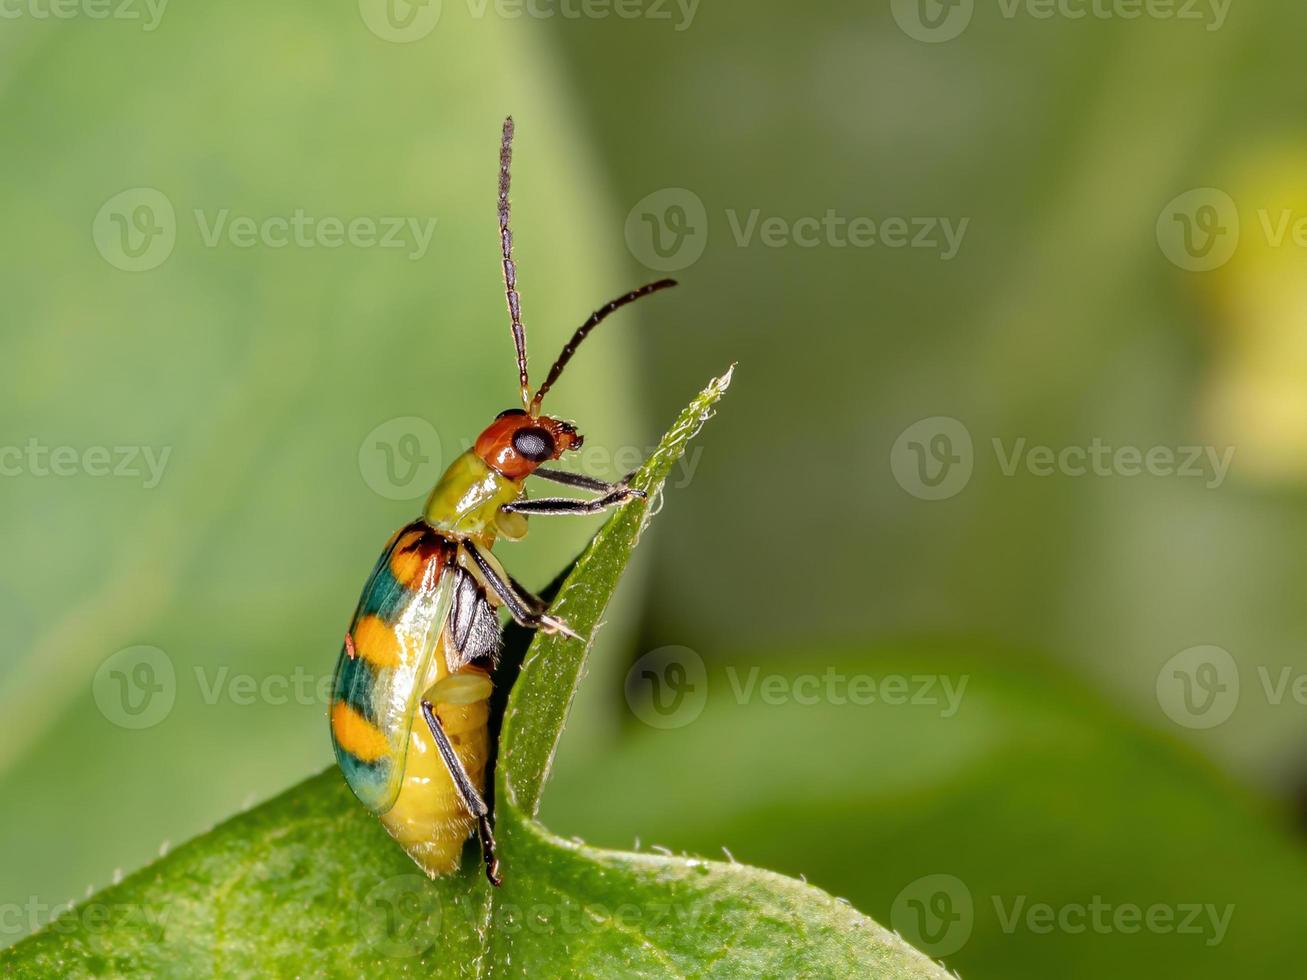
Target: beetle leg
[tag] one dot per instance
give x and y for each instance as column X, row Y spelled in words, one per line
column 618, row 493
column 583, row 481
column 467, row 793
column 538, row 605
column 526, row 609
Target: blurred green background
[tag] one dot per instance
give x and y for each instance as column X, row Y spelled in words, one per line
column 1126, row 193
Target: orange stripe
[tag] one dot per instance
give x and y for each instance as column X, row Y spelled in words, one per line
column 356, row 735
column 408, row 559
column 376, row 642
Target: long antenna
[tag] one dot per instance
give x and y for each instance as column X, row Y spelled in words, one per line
column 506, row 249
column 583, row 331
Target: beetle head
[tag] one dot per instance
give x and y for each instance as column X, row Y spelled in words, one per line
column 516, row 442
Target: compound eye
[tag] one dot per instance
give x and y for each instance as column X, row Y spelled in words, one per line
column 507, row 412
column 534, row 443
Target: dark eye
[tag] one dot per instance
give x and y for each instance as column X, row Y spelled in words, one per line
column 534, row 443
column 509, row 411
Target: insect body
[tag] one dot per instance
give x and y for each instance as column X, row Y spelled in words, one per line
column 410, row 704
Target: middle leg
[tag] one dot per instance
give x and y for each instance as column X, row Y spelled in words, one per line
column 526, row 609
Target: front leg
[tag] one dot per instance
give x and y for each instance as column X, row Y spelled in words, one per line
column 580, row 479
column 526, row 609
column 617, row 493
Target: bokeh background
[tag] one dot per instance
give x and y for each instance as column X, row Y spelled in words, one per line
column 977, row 604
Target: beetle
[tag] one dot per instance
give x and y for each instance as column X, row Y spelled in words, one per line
column 409, row 713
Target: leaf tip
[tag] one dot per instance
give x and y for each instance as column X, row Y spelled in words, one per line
column 719, row 385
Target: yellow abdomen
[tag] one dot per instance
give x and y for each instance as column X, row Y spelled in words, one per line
column 428, row 819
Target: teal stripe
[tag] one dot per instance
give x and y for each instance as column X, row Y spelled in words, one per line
column 368, row 780
column 354, row 684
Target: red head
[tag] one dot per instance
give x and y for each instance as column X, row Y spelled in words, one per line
column 515, row 443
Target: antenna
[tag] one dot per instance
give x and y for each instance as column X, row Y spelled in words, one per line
column 506, row 249
column 583, row 331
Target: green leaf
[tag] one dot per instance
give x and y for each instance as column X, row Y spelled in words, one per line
column 310, row 884
column 538, row 703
